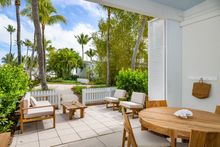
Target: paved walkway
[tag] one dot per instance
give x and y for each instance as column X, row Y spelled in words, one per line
column 98, row 123
column 65, row 90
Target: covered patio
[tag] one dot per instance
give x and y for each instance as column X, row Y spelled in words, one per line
column 99, row 124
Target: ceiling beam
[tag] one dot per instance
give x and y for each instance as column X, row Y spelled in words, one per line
column 144, row 7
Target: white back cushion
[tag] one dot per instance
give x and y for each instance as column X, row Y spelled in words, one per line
column 138, row 97
column 119, row 93
column 33, row 101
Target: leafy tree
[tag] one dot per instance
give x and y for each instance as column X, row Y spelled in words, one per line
column 28, row 44
column 90, row 53
column 11, row 30
column 63, row 62
column 83, row 40
column 125, row 27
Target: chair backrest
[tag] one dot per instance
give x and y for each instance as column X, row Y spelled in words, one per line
column 119, row 93
column 204, row 139
column 217, row 110
column 128, row 130
column 156, row 103
column 138, row 97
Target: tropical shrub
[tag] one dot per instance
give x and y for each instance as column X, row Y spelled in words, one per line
column 132, row 81
column 63, row 62
column 14, row 83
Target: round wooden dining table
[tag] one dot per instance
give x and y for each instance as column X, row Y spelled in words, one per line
column 163, row 121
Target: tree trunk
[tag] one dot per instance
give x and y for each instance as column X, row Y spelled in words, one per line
column 17, row 4
column 32, row 56
column 35, row 15
column 134, row 56
column 43, row 41
column 107, row 50
column 10, row 43
column 82, row 52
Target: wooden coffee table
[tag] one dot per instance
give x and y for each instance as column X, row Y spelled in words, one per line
column 72, row 107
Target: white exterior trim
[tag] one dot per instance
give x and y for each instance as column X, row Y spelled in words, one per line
column 203, row 11
column 145, row 7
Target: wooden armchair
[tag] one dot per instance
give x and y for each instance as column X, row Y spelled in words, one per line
column 32, row 110
column 156, row 103
column 119, row 93
column 140, row 138
column 136, row 104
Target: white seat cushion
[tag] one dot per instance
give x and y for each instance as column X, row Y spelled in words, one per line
column 149, row 139
column 129, row 105
column 112, row 99
column 37, row 112
column 43, row 103
column 138, row 97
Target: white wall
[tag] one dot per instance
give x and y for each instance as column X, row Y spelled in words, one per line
column 201, row 55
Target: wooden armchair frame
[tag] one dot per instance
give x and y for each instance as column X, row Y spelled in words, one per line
column 43, row 117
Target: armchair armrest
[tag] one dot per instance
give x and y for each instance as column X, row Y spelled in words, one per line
column 39, row 107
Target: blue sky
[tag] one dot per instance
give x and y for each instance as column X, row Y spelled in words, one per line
column 82, row 17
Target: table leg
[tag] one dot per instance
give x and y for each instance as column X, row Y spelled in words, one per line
column 82, row 112
column 173, row 142
column 64, row 109
column 70, row 114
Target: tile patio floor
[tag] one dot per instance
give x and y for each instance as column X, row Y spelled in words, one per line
column 101, row 127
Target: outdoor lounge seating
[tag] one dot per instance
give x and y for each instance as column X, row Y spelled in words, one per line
column 115, row 99
column 136, row 104
column 32, row 110
column 141, row 138
column 156, row 103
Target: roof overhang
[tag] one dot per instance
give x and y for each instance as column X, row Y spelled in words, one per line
column 145, row 7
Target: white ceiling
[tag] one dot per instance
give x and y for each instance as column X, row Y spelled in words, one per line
column 179, row 4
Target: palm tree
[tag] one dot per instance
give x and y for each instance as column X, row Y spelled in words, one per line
column 9, row 59
column 28, row 44
column 5, row 3
column 141, row 32
column 17, row 5
column 83, row 40
column 11, row 30
column 47, row 15
column 91, row 53
column 42, row 75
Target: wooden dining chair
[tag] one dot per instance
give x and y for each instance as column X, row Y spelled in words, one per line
column 217, row 110
column 144, row 138
column 156, row 103
column 204, row 139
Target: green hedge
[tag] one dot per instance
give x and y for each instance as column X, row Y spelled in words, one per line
column 132, row 81
column 14, row 83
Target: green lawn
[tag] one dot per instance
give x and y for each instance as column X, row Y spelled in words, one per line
column 59, row 81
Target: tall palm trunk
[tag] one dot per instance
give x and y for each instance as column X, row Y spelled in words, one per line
column 43, row 42
column 17, row 4
column 35, row 15
column 134, row 56
column 10, row 43
column 107, row 49
column 32, row 56
column 82, row 52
